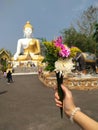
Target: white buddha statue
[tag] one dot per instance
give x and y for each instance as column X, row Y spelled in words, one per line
column 30, row 46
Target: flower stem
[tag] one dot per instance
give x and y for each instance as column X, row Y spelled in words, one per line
column 60, row 91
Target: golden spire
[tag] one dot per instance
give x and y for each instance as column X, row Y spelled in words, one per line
column 28, row 25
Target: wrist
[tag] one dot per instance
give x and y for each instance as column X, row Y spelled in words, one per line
column 69, row 111
column 73, row 113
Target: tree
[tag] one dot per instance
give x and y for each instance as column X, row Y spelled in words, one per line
column 73, row 38
column 96, row 37
column 96, row 33
column 82, row 36
column 87, row 21
column 69, row 36
column 4, row 65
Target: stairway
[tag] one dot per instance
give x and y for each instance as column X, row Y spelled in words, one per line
column 25, row 70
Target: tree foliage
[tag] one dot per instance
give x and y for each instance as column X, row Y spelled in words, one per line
column 87, row 21
column 96, row 33
column 82, row 36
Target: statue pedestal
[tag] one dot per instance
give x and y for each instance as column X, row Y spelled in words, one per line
column 25, row 66
column 27, row 63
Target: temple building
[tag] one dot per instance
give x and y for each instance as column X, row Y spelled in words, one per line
column 4, row 55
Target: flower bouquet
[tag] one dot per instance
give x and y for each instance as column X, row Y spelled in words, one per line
column 57, row 55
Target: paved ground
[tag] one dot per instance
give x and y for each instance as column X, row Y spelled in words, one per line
column 27, row 104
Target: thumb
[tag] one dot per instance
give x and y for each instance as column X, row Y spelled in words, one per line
column 66, row 90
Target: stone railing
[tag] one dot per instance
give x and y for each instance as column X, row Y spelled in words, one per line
column 82, row 83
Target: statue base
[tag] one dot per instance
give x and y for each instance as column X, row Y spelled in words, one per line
column 25, row 66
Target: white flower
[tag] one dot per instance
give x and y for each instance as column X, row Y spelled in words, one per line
column 64, row 66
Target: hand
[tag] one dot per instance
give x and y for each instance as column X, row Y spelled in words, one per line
column 68, row 103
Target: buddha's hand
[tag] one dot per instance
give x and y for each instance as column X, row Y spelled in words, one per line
column 16, row 56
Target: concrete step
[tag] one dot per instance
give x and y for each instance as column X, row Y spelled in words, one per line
column 25, row 69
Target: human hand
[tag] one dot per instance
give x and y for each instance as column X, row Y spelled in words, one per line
column 68, row 103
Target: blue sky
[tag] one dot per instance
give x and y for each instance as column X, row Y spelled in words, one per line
column 48, row 18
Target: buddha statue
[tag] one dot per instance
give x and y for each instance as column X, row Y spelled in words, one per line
column 30, row 46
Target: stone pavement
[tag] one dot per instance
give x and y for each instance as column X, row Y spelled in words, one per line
column 27, row 104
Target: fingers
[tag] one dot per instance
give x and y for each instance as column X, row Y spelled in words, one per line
column 58, row 102
column 68, row 103
column 56, row 95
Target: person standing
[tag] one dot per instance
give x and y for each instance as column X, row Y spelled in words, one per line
column 9, row 77
column 4, row 74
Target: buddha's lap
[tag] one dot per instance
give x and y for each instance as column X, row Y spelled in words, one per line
column 34, row 57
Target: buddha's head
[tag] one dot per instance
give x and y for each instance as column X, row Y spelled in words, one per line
column 28, row 29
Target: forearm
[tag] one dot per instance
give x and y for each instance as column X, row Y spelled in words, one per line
column 85, row 122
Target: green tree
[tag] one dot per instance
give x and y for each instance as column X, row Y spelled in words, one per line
column 87, row 21
column 69, row 36
column 96, row 37
column 96, row 33
column 4, row 65
column 74, row 38
column 82, row 35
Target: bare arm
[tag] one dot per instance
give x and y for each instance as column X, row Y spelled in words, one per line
column 85, row 122
column 79, row 117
